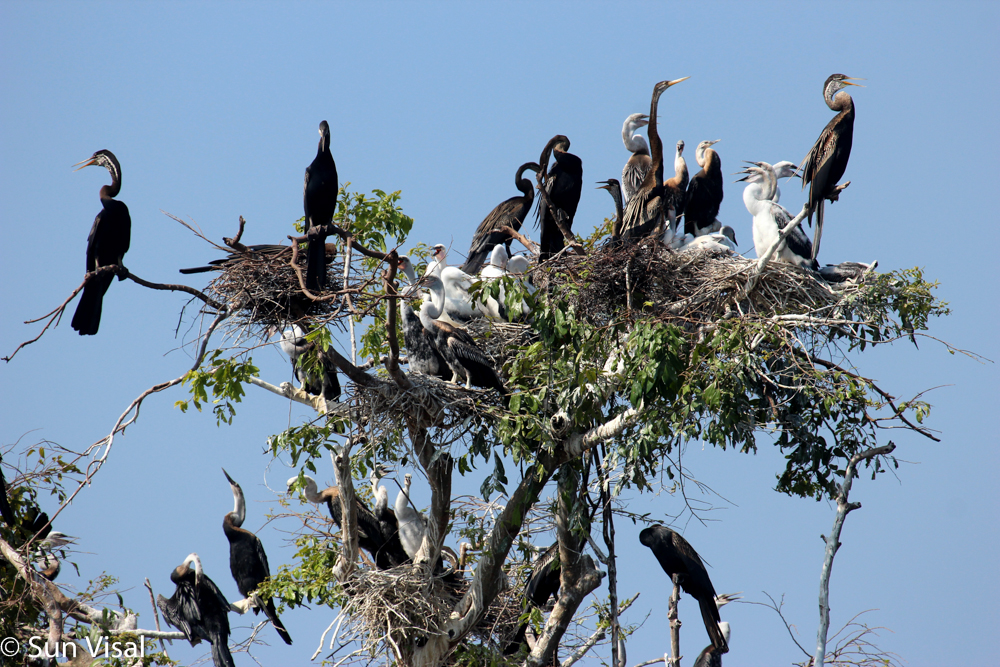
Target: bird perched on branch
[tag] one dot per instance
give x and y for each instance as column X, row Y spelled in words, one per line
column 827, row 160
column 198, row 609
column 107, row 244
column 683, row 564
column 247, row 560
column 563, row 185
column 509, row 213
column 422, row 355
column 324, row 383
column 319, row 198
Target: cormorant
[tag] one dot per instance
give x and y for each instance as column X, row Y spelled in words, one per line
column 510, row 213
column 826, row 162
column 247, row 560
column 679, row 559
column 563, row 184
column 704, row 193
column 319, row 198
column 198, row 609
column 107, row 244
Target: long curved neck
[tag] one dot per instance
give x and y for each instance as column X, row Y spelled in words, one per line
column 523, row 184
column 111, row 191
column 680, row 168
column 839, row 101
column 770, row 184
column 616, row 194
column 312, row 491
column 239, row 512
column 635, row 144
column 402, row 500
column 431, row 309
column 655, row 144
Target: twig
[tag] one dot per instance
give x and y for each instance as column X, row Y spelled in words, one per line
column 525, row 241
column 156, row 614
column 763, row 261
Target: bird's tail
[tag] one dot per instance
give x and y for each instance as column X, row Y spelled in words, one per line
column 272, row 615
column 316, row 264
column 819, row 228
column 710, row 615
column 220, row 653
column 87, row 318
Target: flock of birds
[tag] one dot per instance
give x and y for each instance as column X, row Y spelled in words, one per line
column 437, row 344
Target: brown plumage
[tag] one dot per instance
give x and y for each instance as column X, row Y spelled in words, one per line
column 509, row 213
column 675, row 188
column 826, row 162
column 704, row 192
column 644, row 211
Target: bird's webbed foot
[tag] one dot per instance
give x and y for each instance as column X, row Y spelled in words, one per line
column 835, row 193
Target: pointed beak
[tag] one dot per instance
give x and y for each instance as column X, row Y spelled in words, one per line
column 229, row 478
column 847, row 81
column 676, row 81
column 86, row 163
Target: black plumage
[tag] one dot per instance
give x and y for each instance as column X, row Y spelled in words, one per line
column 107, row 244
column 270, row 250
column 199, row 610
column 614, row 189
column 319, row 199
column 509, row 213
column 645, row 211
column 704, row 192
column 541, row 585
column 675, row 188
column 563, row 185
column 5, row 508
column 247, row 560
column 679, row 559
column 826, row 162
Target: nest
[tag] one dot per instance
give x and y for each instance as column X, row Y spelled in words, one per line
column 262, row 289
column 683, row 287
column 394, row 606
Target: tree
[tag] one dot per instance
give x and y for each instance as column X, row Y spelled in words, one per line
column 630, row 351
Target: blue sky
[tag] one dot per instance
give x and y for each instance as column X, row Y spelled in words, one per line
column 212, row 110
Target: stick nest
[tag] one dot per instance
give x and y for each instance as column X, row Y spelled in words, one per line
column 684, row 287
column 263, row 290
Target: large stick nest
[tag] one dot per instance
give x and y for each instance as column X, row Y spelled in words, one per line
column 683, row 287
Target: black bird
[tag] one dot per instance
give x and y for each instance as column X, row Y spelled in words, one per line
column 704, row 192
column 107, row 244
column 5, row 509
column 264, row 249
column 326, row 384
column 319, row 198
column 679, row 559
column 509, row 213
column 645, row 210
column 377, row 532
column 422, row 354
column 563, row 184
column 541, row 585
column 614, row 189
column 826, row 162
column 199, row 610
column 247, row 560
